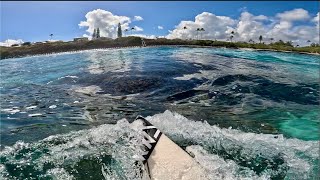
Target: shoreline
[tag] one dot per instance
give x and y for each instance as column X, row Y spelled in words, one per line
column 151, row 46
column 274, row 50
column 251, row 49
column 129, row 42
column 127, row 47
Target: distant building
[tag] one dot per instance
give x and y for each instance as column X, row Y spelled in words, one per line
column 81, row 39
column 104, row 39
column 51, row 41
column 38, row 42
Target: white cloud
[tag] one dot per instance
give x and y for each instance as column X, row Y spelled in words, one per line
column 294, row 15
column 10, row 42
column 137, row 18
column 261, row 17
column 144, row 36
column 285, row 30
column 105, row 21
column 316, row 20
column 137, row 28
column 86, row 35
column 248, row 26
column 216, row 27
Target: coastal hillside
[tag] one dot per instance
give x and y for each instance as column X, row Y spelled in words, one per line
column 57, row 47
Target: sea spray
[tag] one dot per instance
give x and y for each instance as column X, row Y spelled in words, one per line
column 111, row 150
column 265, row 154
column 78, row 154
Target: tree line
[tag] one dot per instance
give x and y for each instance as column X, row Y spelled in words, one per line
column 260, row 38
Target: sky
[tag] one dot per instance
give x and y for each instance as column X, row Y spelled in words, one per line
column 35, row 21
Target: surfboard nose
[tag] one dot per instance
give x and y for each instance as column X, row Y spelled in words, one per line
column 151, row 136
column 163, row 159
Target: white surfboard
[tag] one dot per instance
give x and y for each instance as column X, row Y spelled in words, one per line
column 165, row 160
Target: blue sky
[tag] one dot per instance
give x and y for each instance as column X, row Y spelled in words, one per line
column 34, row 21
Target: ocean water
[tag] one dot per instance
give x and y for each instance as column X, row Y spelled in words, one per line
column 241, row 114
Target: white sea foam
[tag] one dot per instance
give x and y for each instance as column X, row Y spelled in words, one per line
column 34, row 115
column 31, row 107
column 68, row 76
column 208, row 144
column 88, row 90
column 13, row 110
column 52, row 106
column 187, row 77
column 249, row 145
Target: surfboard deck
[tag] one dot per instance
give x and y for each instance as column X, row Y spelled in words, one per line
column 165, row 160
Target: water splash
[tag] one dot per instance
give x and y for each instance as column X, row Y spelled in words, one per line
column 110, row 150
column 262, row 155
column 79, row 155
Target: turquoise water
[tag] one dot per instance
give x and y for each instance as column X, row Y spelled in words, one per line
column 269, row 98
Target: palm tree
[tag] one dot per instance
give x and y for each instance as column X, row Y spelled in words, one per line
column 260, row 38
column 198, row 29
column 202, row 29
column 297, row 45
column 119, row 31
column 126, row 30
column 309, row 42
column 132, row 29
column 231, row 38
column 51, row 36
column 250, row 40
column 232, row 35
column 98, row 33
column 184, row 29
column 271, row 39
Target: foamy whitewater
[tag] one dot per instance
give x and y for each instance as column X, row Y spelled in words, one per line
column 111, row 151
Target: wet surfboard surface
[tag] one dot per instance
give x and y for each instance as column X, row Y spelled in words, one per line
column 163, row 159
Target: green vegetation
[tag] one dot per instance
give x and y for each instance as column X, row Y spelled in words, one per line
column 96, row 33
column 119, row 31
column 232, row 35
column 260, row 38
column 56, row 47
column 277, row 46
column 26, row 44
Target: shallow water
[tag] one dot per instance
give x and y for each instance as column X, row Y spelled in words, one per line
column 247, row 114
